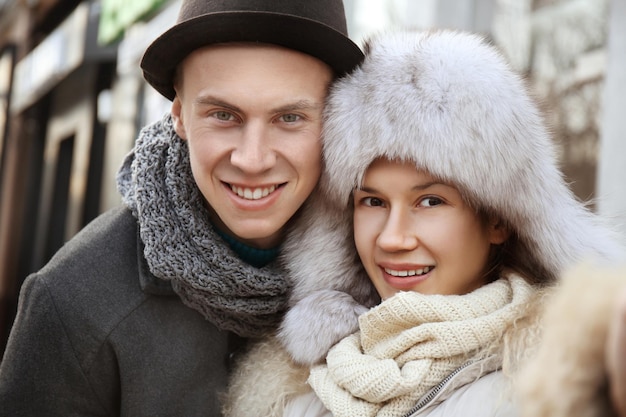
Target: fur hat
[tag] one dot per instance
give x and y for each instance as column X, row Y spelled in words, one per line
column 448, row 102
column 317, row 28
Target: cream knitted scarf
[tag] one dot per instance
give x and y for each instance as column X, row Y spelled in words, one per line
column 181, row 246
column 409, row 343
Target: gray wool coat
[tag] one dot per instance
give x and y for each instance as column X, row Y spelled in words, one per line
column 97, row 335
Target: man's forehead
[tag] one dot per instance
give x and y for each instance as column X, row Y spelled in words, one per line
column 267, row 52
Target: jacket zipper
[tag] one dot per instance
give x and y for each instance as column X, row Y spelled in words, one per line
column 435, row 390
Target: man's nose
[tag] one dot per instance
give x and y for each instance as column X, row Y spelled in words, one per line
column 253, row 153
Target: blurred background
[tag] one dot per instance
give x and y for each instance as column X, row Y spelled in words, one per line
column 72, row 101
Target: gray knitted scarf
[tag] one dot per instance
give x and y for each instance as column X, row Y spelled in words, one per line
column 181, row 246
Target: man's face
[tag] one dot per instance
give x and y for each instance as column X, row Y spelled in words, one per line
column 252, row 117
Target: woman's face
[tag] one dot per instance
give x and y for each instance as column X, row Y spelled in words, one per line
column 414, row 233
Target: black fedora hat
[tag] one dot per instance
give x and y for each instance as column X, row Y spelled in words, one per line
column 315, row 27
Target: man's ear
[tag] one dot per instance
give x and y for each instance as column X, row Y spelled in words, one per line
column 177, row 118
column 498, row 231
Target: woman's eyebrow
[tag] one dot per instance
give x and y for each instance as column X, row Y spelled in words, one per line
column 418, row 187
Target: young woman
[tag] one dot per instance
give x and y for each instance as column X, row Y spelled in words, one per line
column 434, row 258
column 441, row 191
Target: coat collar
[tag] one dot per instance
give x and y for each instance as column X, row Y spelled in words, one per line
column 148, row 282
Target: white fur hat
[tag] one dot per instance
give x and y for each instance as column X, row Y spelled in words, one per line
column 450, row 103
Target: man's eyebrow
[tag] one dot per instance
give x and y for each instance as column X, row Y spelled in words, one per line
column 214, row 101
column 299, row 105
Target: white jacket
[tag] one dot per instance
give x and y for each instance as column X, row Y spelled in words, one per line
column 460, row 395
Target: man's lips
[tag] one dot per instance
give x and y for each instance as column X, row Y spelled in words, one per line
column 253, row 193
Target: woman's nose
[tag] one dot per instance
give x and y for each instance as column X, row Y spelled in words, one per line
column 398, row 233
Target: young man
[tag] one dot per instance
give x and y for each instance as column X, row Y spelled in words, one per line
column 140, row 313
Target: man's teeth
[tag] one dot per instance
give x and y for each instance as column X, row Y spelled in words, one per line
column 252, row 193
column 409, row 273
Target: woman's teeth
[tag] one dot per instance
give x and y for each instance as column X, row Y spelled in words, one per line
column 408, row 273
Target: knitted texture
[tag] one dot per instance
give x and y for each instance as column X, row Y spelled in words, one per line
column 410, row 343
column 181, row 246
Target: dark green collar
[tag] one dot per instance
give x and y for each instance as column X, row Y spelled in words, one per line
column 251, row 255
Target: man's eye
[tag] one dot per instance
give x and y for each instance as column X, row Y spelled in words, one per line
column 223, row 115
column 430, row 202
column 290, row 118
column 372, row 202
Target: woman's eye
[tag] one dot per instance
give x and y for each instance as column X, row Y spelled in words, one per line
column 372, row 202
column 290, row 118
column 430, row 202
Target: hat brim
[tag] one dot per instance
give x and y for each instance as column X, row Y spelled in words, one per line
column 310, row 37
